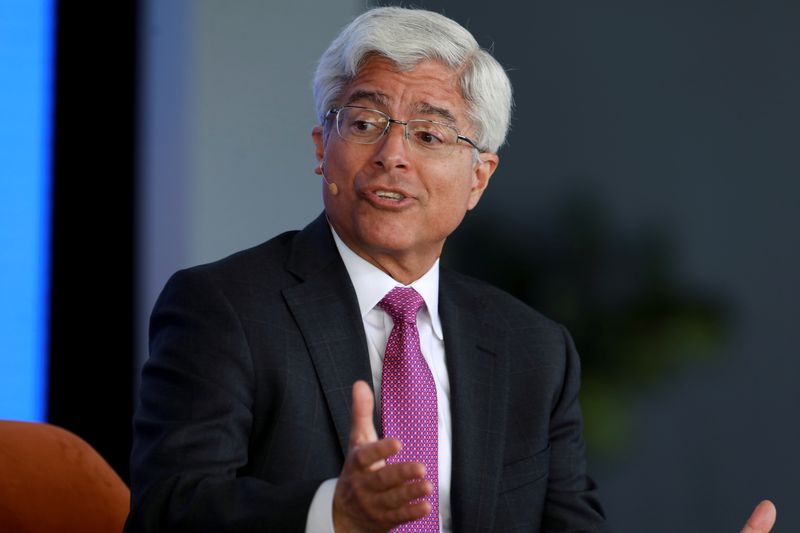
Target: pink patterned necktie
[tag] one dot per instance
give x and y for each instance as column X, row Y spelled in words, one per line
column 408, row 398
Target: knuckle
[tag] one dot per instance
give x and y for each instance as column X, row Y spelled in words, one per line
column 359, row 456
column 393, row 499
column 383, row 477
column 397, row 515
column 413, row 491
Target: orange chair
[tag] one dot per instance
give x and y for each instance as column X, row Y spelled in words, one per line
column 52, row 481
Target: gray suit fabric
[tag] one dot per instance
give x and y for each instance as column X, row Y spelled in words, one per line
column 246, row 398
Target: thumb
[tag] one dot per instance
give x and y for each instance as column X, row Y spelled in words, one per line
column 362, row 429
column 762, row 519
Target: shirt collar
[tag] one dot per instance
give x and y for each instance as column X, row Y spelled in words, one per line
column 371, row 283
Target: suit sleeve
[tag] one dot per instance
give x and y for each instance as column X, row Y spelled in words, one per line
column 193, row 424
column 572, row 504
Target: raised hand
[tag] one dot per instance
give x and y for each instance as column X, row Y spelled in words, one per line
column 762, row 519
column 370, row 495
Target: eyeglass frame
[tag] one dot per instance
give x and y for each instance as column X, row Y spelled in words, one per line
column 334, row 111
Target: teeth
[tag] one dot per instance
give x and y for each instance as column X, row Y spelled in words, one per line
column 390, row 194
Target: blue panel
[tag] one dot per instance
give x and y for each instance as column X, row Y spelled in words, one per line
column 26, row 96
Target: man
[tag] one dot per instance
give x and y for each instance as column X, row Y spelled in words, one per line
column 257, row 408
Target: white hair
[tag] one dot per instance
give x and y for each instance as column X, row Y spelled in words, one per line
column 407, row 37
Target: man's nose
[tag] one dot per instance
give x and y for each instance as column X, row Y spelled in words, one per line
column 393, row 149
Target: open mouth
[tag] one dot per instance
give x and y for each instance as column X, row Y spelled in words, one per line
column 389, row 195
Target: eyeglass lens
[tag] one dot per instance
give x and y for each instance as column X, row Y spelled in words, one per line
column 366, row 126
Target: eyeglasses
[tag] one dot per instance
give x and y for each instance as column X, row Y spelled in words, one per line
column 362, row 125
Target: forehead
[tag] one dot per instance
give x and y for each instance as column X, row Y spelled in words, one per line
column 429, row 88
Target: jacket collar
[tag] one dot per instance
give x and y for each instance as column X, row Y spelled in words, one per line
column 325, row 308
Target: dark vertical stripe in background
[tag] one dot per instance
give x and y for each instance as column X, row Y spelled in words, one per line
column 94, row 168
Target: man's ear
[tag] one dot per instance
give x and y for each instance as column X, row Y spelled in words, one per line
column 481, row 175
column 318, row 136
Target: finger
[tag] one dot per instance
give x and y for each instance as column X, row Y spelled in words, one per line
column 408, row 513
column 394, row 475
column 362, row 429
column 370, row 454
column 403, row 495
column 762, row 519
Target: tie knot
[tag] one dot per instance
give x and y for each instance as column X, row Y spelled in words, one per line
column 402, row 304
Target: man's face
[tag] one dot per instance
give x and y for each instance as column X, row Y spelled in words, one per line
column 436, row 191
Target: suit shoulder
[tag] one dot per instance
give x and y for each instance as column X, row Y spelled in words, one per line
column 263, row 264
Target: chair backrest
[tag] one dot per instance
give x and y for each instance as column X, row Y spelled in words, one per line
column 51, row 480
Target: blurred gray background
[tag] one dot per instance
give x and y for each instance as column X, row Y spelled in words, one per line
column 647, row 197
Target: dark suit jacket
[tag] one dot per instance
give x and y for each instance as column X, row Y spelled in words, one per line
column 246, row 397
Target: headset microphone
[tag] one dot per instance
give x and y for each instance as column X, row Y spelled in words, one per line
column 332, row 187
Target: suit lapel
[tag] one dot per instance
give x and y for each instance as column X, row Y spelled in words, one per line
column 326, row 310
column 478, row 398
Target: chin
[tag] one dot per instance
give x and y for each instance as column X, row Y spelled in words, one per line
column 388, row 241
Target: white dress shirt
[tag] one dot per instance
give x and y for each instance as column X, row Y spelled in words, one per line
column 371, row 285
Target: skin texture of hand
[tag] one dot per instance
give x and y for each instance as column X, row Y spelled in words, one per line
column 371, row 495
column 762, row 519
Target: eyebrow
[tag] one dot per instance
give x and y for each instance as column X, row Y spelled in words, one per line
column 427, row 109
column 381, row 99
column 371, row 96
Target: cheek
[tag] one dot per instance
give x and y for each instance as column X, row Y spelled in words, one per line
column 452, row 200
column 456, row 187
